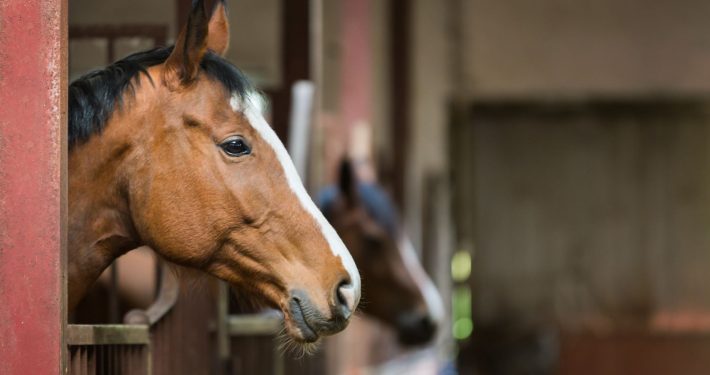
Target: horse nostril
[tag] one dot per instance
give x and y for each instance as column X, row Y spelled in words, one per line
column 345, row 295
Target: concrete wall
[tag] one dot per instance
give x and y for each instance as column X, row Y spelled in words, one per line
column 582, row 170
column 590, row 215
column 604, row 47
column 256, row 39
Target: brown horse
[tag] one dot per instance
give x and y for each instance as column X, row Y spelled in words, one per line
column 396, row 288
column 169, row 149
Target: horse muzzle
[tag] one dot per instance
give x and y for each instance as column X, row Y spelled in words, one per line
column 311, row 322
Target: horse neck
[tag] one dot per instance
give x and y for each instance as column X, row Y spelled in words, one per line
column 100, row 227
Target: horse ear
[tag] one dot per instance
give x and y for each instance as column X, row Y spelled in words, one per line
column 184, row 63
column 347, row 182
column 218, row 36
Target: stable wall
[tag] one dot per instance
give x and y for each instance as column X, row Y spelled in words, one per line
column 600, row 211
column 525, row 48
column 590, row 215
column 581, row 168
column 255, row 44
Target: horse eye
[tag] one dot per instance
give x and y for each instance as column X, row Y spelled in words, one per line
column 235, row 147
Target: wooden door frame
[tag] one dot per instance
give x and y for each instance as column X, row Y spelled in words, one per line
column 33, row 187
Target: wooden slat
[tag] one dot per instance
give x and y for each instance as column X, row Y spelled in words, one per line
column 123, row 334
column 83, row 366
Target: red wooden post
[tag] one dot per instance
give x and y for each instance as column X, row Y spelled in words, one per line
column 356, row 71
column 32, row 189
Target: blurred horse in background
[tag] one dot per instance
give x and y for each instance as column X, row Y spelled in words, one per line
column 396, row 289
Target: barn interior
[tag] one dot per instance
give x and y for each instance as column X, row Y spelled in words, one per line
column 549, row 161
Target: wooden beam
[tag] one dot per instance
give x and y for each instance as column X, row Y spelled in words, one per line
column 108, row 334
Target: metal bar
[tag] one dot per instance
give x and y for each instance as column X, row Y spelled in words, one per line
column 133, row 359
column 106, row 359
column 111, row 358
column 147, row 359
column 109, row 334
column 167, row 298
column 254, row 324
column 74, row 360
column 32, row 188
column 300, row 124
column 123, row 357
column 99, row 360
column 83, row 360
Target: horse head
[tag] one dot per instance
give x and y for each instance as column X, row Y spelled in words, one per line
column 169, row 149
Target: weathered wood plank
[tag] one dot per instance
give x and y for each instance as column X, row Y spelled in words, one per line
column 109, row 334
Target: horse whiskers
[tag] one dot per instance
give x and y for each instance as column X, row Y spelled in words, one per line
column 363, row 302
column 287, row 345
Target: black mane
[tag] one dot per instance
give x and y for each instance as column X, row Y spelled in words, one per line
column 94, row 97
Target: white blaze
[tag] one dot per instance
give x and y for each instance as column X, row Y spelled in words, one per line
column 257, row 121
